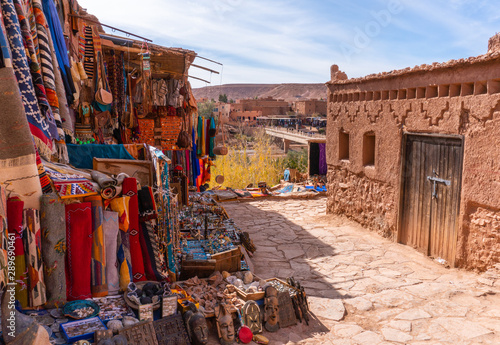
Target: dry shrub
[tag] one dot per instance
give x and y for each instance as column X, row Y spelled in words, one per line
column 248, row 163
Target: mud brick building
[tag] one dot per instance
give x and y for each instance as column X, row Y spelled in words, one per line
column 415, row 154
column 310, row 107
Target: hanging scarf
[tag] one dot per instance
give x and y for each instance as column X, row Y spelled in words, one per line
column 88, row 51
column 38, row 126
column 33, row 249
column 45, row 60
column 212, row 139
column 56, row 32
column 36, row 72
column 66, row 120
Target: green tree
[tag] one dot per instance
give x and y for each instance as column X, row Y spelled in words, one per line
column 223, row 98
column 206, row 108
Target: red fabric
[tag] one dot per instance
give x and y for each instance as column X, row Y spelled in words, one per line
column 130, row 190
column 78, row 250
column 15, row 226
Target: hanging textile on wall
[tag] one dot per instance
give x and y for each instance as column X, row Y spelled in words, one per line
column 53, row 224
column 15, row 223
column 120, row 205
column 34, row 264
column 110, row 229
column 130, row 190
column 38, row 126
column 99, row 287
column 79, row 250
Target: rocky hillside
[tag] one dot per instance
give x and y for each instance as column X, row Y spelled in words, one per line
column 288, row 92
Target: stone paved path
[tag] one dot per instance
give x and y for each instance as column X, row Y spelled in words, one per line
column 391, row 293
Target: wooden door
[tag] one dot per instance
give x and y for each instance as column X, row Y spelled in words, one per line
column 431, row 181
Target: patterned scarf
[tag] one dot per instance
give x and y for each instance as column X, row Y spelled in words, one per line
column 38, row 125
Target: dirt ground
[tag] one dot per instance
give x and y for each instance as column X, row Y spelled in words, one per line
column 362, row 288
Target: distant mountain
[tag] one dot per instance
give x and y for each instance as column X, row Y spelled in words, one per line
column 288, row 92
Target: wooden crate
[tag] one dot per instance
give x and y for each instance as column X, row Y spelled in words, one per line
column 229, row 260
column 251, row 296
column 200, row 268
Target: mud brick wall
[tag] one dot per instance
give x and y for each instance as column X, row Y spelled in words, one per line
column 458, row 97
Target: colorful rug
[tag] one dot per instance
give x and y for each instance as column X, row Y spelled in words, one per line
column 53, row 223
column 42, row 175
column 38, row 126
column 15, row 224
column 79, row 250
column 130, row 190
column 111, row 192
column 33, row 254
column 110, row 229
column 4, row 236
column 99, row 285
column 69, row 186
column 18, row 169
column 120, row 205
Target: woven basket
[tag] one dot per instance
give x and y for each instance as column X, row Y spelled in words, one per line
column 133, row 305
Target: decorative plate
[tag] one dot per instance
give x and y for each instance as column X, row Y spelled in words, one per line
column 71, row 309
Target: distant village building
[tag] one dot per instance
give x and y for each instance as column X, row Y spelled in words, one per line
column 267, row 106
column 415, row 154
column 310, row 107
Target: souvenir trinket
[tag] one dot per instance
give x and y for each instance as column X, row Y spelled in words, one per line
column 286, row 311
column 171, row 331
column 252, row 317
column 225, row 325
column 271, row 310
column 196, row 325
column 140, row 334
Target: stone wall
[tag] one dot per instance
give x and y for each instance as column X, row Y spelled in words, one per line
column 483, row 241
column 369, row 202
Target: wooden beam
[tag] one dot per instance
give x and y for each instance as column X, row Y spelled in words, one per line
column 206, row 69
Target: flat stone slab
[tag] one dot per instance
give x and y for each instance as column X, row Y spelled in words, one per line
column 463, row 328
column 444, row 307
column 402, row 325
column 367, row 338
column 391, row 334
column 413, row 314
column 347, row 331
column 332, row 309
column 360, row 303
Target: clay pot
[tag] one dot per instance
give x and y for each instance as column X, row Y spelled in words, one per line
column 220, row 151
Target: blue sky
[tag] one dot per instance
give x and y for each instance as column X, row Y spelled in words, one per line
column 297, row 41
